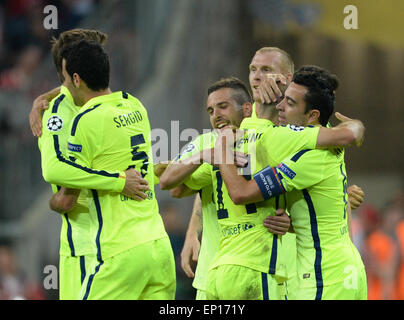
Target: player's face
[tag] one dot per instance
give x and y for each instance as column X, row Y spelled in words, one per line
column 223, row 110
column 292, row 109
column 263, row 63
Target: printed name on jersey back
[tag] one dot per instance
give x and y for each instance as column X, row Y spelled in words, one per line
column 128, row 119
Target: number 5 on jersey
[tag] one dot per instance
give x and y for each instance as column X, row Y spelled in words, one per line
column 135, row 141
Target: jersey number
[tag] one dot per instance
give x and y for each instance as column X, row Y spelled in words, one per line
column 137, row 155
column 222, row 212
column 345, row 189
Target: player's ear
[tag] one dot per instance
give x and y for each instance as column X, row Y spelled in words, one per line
column 314, row 116
column 76, row 80
column 247, row 109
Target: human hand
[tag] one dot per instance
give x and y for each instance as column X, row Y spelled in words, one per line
column 135, row 185
column 356, row 126
column 35, row 116
column 279, row 223
column 355, row 196
column 160, row 167
column 268, row 90
column 190, row 255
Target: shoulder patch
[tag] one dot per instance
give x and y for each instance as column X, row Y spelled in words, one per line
column 188, row 148
column 74, row 147
column 55, row 123
column 286, row 170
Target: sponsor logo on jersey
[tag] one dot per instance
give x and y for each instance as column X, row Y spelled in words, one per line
column 74, row 147
column 55, row 123
column 286, row 170
column 235, row 230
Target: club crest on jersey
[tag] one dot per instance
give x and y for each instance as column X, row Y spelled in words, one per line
column 296, row 128
column 54, row 123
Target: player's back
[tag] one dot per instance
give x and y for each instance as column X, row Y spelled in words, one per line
column 113, row 132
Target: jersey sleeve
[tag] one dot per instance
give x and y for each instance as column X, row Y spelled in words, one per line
column 201, row 178
column 203, row 141
column 290, row 139
column 304, row 169
column 59, row 169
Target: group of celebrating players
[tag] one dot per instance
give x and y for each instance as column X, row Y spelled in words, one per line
column 271, row 217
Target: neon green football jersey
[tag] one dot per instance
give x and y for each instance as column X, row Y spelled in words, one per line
column 316, row 186
column 244, row 239
column 210, row 226
column 113, row 132
column 288, row 240
column 74, row 239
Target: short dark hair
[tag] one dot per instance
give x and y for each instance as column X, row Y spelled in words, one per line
column 240, row 92
column 68, row 37
column 321, row 86
column 89, row 60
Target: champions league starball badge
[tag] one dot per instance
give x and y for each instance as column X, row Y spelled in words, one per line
column 55, row 123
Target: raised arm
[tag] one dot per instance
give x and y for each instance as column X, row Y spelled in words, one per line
column 179, row 171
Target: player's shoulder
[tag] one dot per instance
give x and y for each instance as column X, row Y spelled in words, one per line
column 205, row 139
column 59, row 105
column 89, row 116
column 200, row 142
column 59, row 114
column 292, row 128
column 132, row 98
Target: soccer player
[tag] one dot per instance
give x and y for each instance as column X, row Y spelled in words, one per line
column 228, row 104
column 315, row 182
column 233, row 247
column 76, row 250
column 112, row 131
column 268, row 67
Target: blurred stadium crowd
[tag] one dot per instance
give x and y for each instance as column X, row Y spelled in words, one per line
column 26, row 71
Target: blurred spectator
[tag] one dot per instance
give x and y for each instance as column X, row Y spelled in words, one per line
column 12, row 285
column 379, row 236
column 176, row 229
column 397, row 206
column 24, row 39
column 20, row 74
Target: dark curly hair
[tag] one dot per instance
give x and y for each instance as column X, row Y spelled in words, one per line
column 321, row 86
